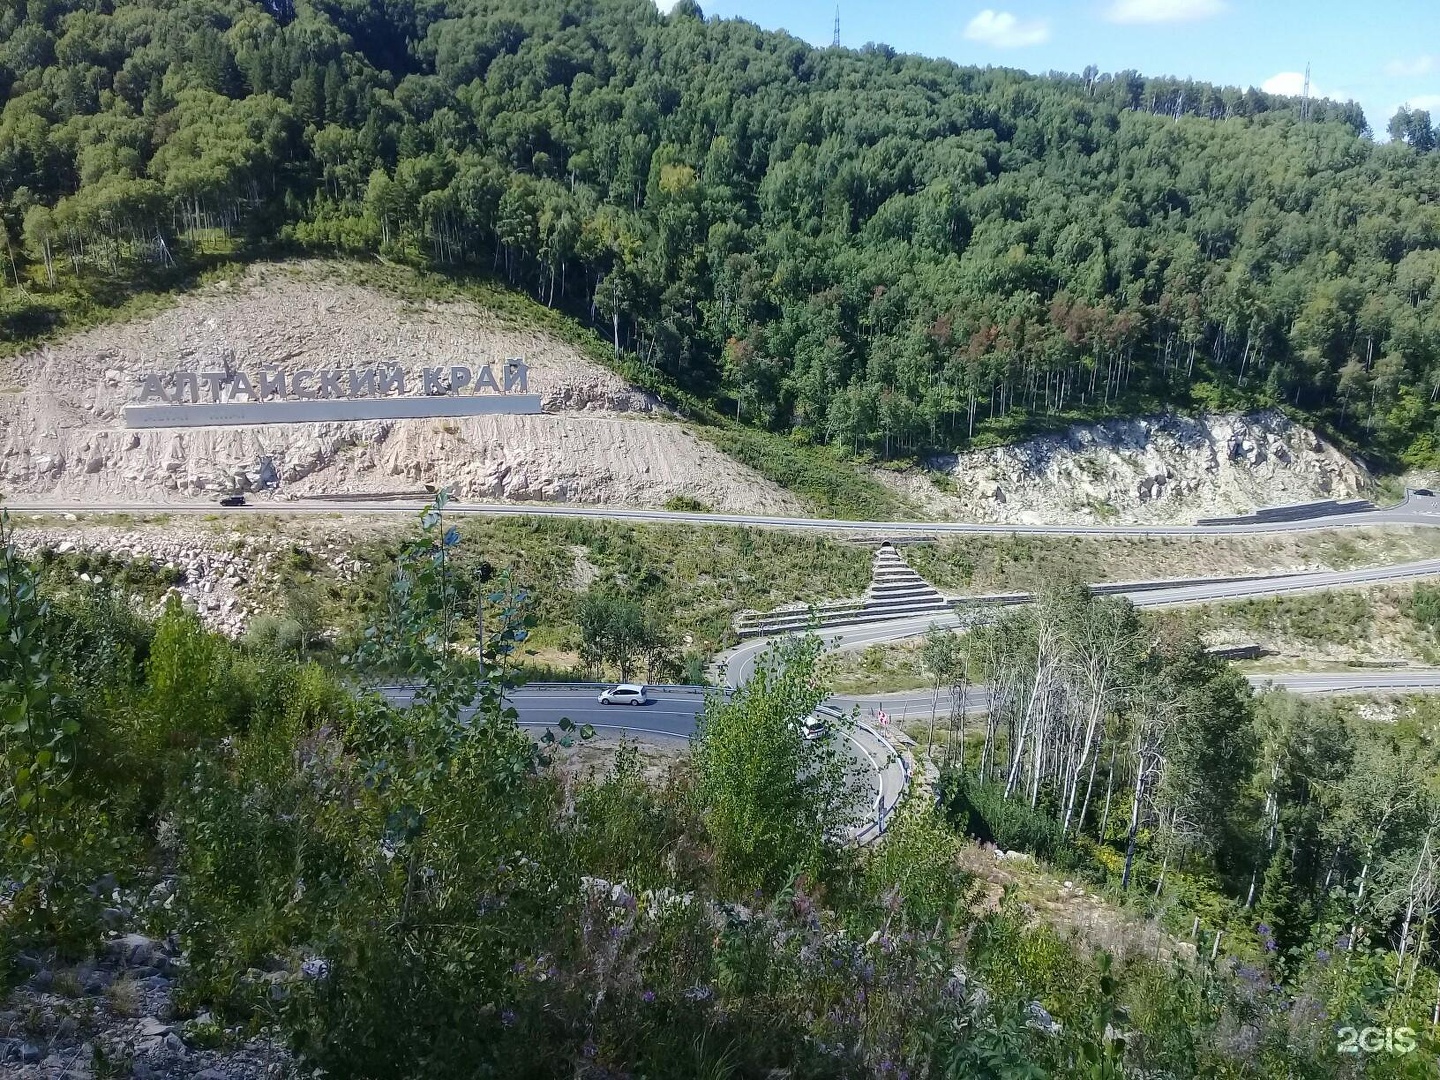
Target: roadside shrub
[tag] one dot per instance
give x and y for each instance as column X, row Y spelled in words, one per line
column 274, row 634
column 146, row 578
column 1423, row 607
column 687, row 504
column 193, row 692
column 635, row 831
column 916, row 863
column 983, row 813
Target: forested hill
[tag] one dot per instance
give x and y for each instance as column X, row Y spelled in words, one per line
column 883, row 252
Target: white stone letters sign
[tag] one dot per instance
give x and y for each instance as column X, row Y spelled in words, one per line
column 383, row 392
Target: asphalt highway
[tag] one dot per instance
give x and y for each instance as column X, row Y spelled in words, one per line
column 1352, row 682
column 917, row 703
column 1283, row 584
column 673, row 712
column 739, row 663
column 1414, row 510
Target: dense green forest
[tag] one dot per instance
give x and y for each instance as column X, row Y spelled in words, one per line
column 419, row 890
column 880, row 252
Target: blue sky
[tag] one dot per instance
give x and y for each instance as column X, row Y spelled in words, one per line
column 1384, row 53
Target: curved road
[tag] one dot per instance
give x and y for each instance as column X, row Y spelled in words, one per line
column 1417, row 681
column 739, row 663
column 1414, row 510
column 674, row 712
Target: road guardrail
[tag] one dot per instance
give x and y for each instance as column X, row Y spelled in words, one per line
column 668, row 688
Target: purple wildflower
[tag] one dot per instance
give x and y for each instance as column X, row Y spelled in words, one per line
column 1267, row 937
column 508, row 1018
column 647, row 996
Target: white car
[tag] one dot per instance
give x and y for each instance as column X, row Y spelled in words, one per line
column 813, row 726
column 624, row 694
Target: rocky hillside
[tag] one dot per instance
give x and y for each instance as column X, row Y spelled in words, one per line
column 1153, row 469
column 598, row 440
column 226, row 577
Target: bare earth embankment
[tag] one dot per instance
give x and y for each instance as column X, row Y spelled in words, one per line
column 598, row 441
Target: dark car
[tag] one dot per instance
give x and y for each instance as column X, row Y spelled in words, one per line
column 1423, row 491
column 233, row 500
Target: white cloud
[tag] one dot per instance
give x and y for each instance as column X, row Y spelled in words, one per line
column 1406, row 69
column 1163, row 11
column 1004, row 31
column 1290, row 84
column 1429, row 102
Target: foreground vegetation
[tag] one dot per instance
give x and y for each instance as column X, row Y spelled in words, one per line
column 876, row 252
column 435, row 896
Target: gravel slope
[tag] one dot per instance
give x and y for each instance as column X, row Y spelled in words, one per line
column 598, row 441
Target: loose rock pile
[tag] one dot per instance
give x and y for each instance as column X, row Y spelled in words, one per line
column 223, row 577
column 116, row 1016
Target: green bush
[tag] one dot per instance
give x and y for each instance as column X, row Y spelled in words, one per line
column 983, row 813
column 829, row 485
column 274, row 634
column 142, row 577
column 687, row 504
column 917, row 860
column 1423, row 607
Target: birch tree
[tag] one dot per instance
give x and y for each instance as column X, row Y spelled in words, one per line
column 1101, row 641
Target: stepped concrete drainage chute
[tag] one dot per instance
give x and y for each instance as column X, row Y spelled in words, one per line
column 895, row 591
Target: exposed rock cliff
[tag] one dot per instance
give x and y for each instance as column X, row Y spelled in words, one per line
column 1150, row 469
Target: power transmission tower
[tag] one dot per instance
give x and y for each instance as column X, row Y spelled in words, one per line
column 835, row 41
column 1305, row 96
